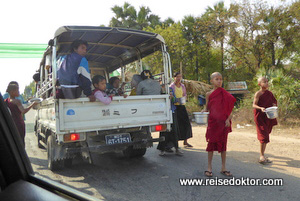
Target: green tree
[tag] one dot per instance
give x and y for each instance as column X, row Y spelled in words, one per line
column 127, row 16
column 175, row 42
column 29, row 91
column 219, row 25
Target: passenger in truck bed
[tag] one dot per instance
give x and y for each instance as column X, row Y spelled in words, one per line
column 73, row 73
column 136, row 79
column 99, row 82
column 115, row 89
column 148, row 86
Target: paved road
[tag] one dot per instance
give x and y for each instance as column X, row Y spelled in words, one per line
column 152, row 177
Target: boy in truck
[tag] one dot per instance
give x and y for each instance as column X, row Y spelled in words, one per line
column 73, row 73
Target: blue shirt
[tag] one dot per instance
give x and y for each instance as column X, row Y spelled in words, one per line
column 73, row 69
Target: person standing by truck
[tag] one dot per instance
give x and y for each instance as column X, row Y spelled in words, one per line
column 73, row 73
column 16, row 108
column 185, row 128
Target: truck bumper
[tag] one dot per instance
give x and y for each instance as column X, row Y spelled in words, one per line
column 112, row 147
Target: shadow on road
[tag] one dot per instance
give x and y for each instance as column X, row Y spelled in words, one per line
column 157, row 178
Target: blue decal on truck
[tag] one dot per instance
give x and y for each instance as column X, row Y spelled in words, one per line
column 70, row 112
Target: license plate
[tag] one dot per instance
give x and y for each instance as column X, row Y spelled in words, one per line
column 118, row 138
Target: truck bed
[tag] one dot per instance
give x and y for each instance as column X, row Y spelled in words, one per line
column 80, row 115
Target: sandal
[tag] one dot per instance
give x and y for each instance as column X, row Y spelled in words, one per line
column 263, row 162
column 268, row 161
column 188, row 145
column 208, row 173
column 226, row 173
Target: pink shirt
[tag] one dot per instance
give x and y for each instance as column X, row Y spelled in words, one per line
column 102, row 96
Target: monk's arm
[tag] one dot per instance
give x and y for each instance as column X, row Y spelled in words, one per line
column 207, row 99
column 227, row 122
column 22, row 109
column 255, row 101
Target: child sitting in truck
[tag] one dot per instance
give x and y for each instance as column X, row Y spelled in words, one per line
column 99, row 82
column 115, row 89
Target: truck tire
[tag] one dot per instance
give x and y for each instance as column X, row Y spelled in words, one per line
column 39, row 137
column 52, row 164
column 129, row 152
column 140, row 152
column 68, row 162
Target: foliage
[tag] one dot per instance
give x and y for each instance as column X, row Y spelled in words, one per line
column 241, row 41
column 29, row 91
column 128, row 17
column 286, row 89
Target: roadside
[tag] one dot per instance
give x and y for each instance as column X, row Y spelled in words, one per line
column 243, row 145
column 152, row 177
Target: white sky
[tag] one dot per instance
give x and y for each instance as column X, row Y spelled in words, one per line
column 35, row 21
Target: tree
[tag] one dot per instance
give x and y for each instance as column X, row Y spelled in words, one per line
column 190, row 34
column 219, row 25
column 128, row 17
column 29, row 91
column 175, row 42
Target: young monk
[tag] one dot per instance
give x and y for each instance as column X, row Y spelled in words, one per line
column 16, row 108
column 262, row 100
column 219, row 105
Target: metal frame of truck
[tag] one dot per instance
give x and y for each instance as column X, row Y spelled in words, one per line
column 59, row 120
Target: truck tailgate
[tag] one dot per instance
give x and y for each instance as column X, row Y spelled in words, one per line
column 133, row 111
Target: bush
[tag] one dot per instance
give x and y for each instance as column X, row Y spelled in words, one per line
column 286, row 90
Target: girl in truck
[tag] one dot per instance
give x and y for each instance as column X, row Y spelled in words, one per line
column 115, row 89
column 99, row 82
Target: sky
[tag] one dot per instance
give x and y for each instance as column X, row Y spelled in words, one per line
column 35, row 21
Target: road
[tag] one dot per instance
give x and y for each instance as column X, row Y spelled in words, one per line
column 153, row 177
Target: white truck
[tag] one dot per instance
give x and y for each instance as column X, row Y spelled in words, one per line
column 72, row 127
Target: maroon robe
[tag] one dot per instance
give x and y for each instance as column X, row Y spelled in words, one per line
column 17, row 117
column 264, row 125
column 220, row 106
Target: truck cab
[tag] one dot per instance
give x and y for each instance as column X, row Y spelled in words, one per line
column 71, row 127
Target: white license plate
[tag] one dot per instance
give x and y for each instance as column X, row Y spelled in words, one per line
column 118, row 138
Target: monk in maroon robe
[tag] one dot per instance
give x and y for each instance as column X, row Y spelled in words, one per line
column 16, row 108
column 264, row 125
column 219, row 104
column 262, row 100
column 17, row 117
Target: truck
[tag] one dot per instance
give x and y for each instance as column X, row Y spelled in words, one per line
column 68, row 128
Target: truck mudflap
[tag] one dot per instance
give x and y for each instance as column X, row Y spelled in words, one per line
column 112, row 147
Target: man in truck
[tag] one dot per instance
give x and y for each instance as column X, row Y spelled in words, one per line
column 73, row 73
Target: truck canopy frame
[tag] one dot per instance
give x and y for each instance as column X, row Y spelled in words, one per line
column 109, row 47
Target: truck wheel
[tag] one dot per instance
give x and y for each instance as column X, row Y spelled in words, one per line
column 129, row 152
column 38, row 141
column 68, row 162
column 52, row 164
column 140, row 152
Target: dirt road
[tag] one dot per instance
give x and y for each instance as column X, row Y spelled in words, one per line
column 152, row 177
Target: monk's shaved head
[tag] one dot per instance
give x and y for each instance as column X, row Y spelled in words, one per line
column 261, row 79
column 215, row 74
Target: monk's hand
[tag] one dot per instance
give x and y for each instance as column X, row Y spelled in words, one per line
column 92, row 98
column 263, row 109
column 227, row 123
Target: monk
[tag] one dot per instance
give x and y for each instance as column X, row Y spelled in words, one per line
column 16, row 109
column 219, row 105
column 262, row 100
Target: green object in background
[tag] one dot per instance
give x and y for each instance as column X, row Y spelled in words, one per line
column 22, row 50
column 114, row 74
